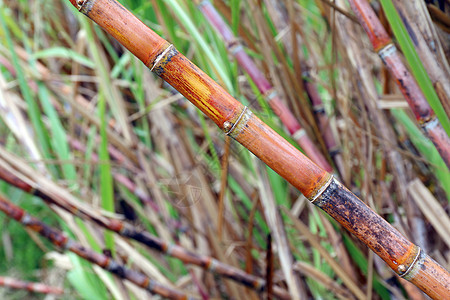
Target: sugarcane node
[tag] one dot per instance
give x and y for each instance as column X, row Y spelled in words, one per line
column 227, row 126
column 401, row 269
column 240, row 122
column 85, row 6
column 387, row 51
column 163, row 59
column 299, row 134
column 405, row 269
column 270, row 94
column 320, row 190
column 234, row 46
column 430, row 124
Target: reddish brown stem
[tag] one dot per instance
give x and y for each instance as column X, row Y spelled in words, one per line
column 145, row 238
column 264, row 86
column 405, row 258
column 383, row 45
column 29, row 286
column 61, row 240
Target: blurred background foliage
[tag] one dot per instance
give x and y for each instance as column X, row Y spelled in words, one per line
column 82, row 112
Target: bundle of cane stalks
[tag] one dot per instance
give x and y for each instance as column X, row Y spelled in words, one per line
column 110, row 176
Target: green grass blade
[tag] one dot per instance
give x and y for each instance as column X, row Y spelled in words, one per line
column 64, row 53
column 426, row 148
column 235, row 15
column 58, row 138
column 106, row 182
column 193, row 31
column 86, row 283
column 33, row 109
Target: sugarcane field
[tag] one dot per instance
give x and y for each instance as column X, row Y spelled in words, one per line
column 224, row 149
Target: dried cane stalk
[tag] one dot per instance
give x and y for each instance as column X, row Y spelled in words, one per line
column 266, row 89
column 387, row 51
column 143, row 237
column 29, row 286
column 405, row 258
column 428, row 46
column 60, row 240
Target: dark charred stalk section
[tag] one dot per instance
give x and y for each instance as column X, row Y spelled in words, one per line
column 368, row 226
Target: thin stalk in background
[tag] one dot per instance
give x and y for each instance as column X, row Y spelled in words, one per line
column 126, row 230
column 424, row 53
column 405, row 258
column 436, row 129
column 29, row 286
column 106, row 182
column 303, row 67
column 61, row 240
column 267, row 90
column 426, row 148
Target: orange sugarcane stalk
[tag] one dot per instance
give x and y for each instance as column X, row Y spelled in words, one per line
column 62, row 241
column 29, row 286
column 237, row 121
column 267, row 90
column 383, row 45
column 144, row 237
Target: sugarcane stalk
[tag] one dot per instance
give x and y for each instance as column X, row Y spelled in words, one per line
column 29, row 286
column 267, row 90
column 427, row 45
column 62, row 241
column 383, row 45
column 292, row 45
column 324, row 122
column 237, row 121
column 144, row 237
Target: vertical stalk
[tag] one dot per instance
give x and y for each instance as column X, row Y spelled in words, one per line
column 405, row 258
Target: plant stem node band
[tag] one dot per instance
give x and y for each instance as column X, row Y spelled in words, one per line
column 163, row 58
column 84, row 6
column 230, row 128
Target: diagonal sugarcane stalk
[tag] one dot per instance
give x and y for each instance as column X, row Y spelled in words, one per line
column 144, row 237
column 237, row 121
column 383, row 45
column 29, row 286
column 264, row 86
column 61, row 240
